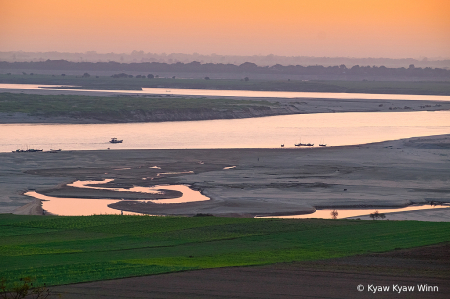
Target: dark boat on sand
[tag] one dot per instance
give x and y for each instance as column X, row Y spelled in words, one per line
column 304, row 144
column 54, row 151
column 31, row 150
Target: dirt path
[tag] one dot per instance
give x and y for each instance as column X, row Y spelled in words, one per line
column 335, row 278
column 32, row 208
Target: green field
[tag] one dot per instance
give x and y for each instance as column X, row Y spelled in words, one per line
column 71, row 105
column 106, row 82
column 61, row 250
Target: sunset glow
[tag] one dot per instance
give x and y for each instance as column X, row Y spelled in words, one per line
column 371, row 28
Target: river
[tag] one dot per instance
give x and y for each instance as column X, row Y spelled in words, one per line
column 233, row 93
column 333, row 129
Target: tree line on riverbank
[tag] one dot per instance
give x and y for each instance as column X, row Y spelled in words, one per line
column 249, row 68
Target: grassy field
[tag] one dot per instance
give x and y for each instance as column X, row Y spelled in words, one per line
column 62, row 105
column 105, row 82
column 61, row 250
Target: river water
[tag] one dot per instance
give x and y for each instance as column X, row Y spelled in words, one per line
column 234, row 93
column 87, row 206
column 333, row 129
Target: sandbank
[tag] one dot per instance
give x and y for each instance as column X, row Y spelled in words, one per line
column 282, row 106
column 264, row 182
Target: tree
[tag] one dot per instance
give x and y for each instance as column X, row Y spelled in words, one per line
column 85, row 75
column 23, row 289
column 150, row 76
column 121, row 75
column 246, row 79
column 334, row 214
column 248, row 65
column 376, row 215
column 206, row 78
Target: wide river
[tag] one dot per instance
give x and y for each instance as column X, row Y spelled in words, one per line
column 333, row 129
column 233, row 93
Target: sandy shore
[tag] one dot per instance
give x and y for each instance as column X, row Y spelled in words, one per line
column 264, row 181
column 32, row 208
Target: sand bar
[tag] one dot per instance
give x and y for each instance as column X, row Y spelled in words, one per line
column 264, row 182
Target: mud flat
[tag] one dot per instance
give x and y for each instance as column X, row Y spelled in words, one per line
column 263, row 182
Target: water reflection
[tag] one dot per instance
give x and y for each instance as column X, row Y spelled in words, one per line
column 347, row 213
column 77, row 206
column 84, row 206
column 238, row 93
column 292, row 94
column 265, row 132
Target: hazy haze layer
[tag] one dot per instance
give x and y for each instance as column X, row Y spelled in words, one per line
column 382, row 28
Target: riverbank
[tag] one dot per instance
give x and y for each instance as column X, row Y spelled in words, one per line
column 32, row 208
column 96, row 107
column 263, row 182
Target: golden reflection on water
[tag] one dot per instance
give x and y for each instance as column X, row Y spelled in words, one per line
column 326, row 214
column 77, row 206
column 237, row 93
column 85, row 206
column 334, row 129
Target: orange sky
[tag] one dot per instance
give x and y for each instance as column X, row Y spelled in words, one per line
column 354, row 28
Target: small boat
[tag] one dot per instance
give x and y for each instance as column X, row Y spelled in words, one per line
column 282, row 145
column 322, row 145
column 53, row 151
column 303, row 144
column 115, row 140
column 32, row 150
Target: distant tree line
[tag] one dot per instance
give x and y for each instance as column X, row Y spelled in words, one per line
column 247, row 67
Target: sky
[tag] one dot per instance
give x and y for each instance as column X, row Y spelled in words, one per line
column 321, row 28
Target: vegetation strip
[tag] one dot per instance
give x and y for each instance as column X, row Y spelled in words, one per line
column 122, row 83
column 65, row 250
column 86, row 106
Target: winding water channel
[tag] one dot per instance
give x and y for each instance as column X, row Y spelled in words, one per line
column 66, row 206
